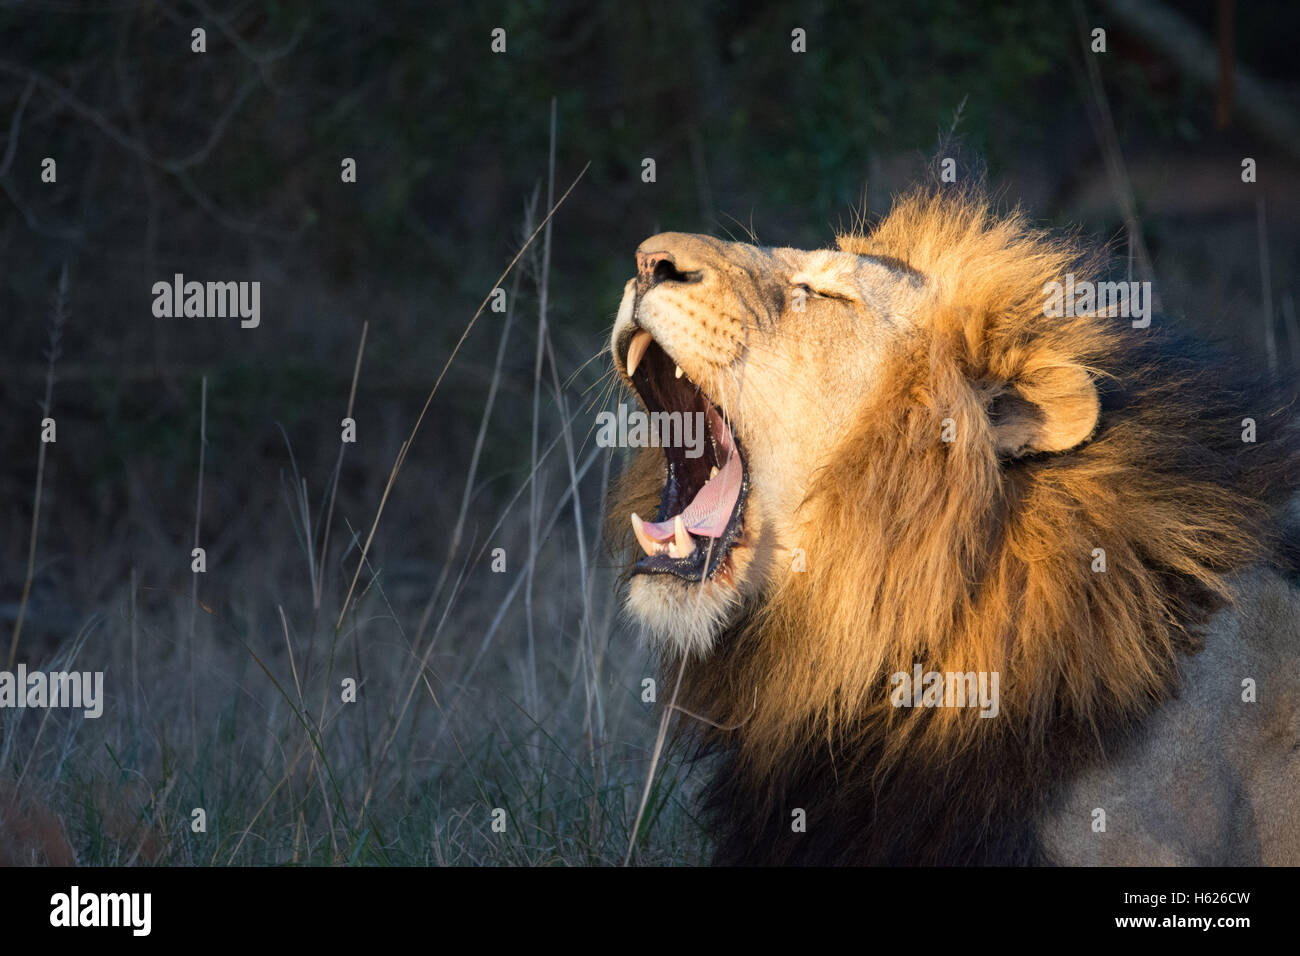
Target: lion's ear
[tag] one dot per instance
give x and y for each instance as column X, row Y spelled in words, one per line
column 1051, row 409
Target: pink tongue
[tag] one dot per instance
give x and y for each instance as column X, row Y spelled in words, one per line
column 710, row 509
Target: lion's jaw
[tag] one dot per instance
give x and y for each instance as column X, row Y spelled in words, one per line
column 775, row 348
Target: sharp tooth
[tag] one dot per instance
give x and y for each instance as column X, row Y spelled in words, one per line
column 640, row 342
column 648, row 546
column 680, row 538
column 713, row 472
column 679, row 372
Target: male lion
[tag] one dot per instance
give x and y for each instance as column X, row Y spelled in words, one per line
column 919, row 476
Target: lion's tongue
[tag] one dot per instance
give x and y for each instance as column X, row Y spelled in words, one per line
column 710, row 510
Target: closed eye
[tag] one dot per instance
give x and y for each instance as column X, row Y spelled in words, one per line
column 812, row 293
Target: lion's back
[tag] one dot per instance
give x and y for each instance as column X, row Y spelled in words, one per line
column 1212, row 777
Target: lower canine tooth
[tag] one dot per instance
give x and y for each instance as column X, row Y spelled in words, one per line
column 681, row 539
column 679, row 372
column 648, row 546
column 713, row 472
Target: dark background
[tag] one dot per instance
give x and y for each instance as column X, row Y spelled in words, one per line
column 225, row 165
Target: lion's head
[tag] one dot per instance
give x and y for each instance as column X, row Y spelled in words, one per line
column 774, row 347
column 912, row 460
column 784, row 351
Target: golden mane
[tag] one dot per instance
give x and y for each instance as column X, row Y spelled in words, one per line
column 944, row 554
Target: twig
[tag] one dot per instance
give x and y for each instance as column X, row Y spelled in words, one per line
column 509, row 598
column 179, row 166
column 654, row 757
column 471, row 473
column 334, row 484
column 590, row 685
column 52, row 356
column 198, row 518
column 125, row 140
column 135, row 651
column 946, row 138
column 401, row 453
column 1266, row 288
column 534, row 490
column 1103, row 125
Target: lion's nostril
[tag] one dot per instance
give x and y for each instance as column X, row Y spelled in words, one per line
column 665, row 271
column 654, row 268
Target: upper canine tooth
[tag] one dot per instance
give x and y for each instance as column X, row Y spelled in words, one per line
column 640, row 342
column 683, row 540
column 713, row 472
column 648, row 546
column 679, row 372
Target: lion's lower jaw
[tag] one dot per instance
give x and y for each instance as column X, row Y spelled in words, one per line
column 683, row 617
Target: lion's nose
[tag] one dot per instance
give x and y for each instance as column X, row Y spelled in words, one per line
column 671, row 257
column 653, row 268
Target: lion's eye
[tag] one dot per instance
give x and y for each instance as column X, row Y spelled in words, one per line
column 809, row 292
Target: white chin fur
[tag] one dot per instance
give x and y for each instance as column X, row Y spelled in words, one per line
column 686, row 617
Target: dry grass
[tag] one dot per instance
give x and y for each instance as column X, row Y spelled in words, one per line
column 226, row 693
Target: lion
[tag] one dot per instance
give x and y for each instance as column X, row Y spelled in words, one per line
column 961, row 578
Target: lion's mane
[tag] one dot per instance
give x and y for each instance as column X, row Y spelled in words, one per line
column 944, row 554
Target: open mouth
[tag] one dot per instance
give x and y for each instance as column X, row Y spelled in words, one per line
column 703, row 502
